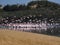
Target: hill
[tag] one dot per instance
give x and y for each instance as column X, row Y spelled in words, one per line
column 10, row 37
column 42, row 7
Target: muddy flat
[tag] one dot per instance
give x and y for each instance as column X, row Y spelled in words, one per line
column 11, row 37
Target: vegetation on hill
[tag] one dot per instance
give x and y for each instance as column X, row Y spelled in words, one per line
column 10, row 37
column 46, row 9
column 43, row 7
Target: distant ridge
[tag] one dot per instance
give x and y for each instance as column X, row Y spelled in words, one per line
column 47, row 8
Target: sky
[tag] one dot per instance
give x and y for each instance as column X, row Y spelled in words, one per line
column 5, row 2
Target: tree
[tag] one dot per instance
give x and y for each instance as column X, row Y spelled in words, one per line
column 6, row 8
column 14, row 7
column 0, row 5
column 22, row 7
column 40, row 0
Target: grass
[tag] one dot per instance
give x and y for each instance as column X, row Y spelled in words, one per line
column 10, row 37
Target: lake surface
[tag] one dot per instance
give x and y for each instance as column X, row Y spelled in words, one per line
column 32, row 27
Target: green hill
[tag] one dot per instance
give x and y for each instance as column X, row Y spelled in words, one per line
column 43, row 7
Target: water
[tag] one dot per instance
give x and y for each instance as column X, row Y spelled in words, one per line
column 37, row 28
